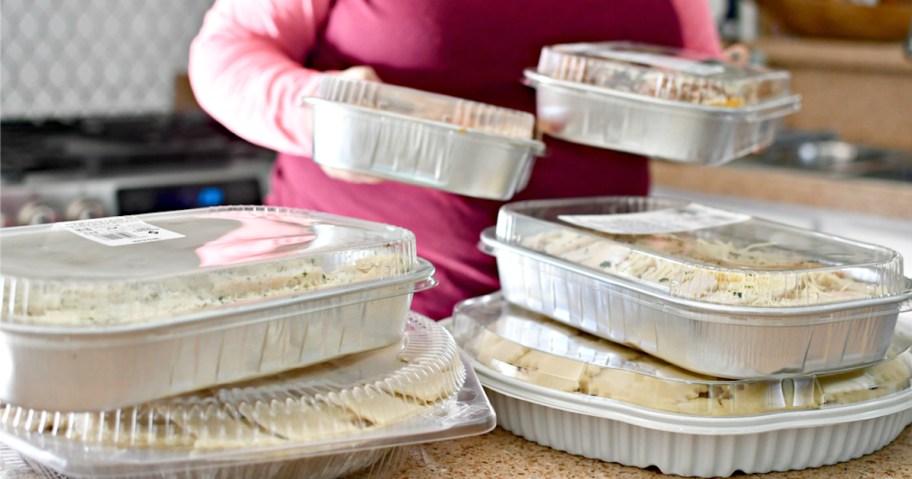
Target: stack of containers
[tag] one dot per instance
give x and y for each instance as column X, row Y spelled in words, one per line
column 669, row 103
column 223, row 342
column 748, row 335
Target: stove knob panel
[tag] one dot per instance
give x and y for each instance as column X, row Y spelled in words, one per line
column 36, row 213
column 85, row 209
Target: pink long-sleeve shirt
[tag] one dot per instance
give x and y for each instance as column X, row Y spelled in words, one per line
column 253, row 61
column 246, row 68
column 246, row 65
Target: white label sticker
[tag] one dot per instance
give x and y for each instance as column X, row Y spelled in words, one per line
column 119, row 231
column 672, row 220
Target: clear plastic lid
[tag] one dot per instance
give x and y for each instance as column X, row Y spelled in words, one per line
column 377, row 392
column 662, row 72
column 696, row 252
column 532, row 348
column 453, row 112
column 165, row 266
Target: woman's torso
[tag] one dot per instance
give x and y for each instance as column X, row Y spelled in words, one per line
column 473, row 49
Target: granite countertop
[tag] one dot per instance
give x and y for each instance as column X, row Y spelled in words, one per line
column 500, row 454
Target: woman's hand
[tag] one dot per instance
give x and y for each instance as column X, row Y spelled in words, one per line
column 737, row 54
column 360, row 72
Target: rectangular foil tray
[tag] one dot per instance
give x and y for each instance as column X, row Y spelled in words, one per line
column 720, row 340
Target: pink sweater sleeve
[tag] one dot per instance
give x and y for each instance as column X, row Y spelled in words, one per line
column 698, row 28
column 245, row 68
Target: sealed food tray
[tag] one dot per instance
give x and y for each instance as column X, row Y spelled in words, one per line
column 668, row 130
column 423, row 138
column 104, row 313
column 347, row 412
column 658, row 101
column 682, row 445
column 532, row 348
column 709, row 290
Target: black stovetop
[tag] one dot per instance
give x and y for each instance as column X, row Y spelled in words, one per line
column 93, row 147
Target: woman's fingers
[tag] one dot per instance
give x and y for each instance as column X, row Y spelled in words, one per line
column 350, row 176
column 360, row 72
column 737, row 55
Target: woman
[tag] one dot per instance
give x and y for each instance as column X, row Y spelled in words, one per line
column 253, row 61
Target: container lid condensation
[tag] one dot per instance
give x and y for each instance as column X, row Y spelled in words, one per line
column 662, row 72
column 376, row 392
column 69, row 274
column 695, row 252
column 534, row 349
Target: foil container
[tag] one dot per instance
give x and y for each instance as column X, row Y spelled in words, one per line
column 422, row 138
column 668, row 130
column 720, row 334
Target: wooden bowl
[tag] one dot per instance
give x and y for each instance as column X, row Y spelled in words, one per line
column 890, row 20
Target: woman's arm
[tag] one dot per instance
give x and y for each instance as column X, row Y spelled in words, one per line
column 698, row 28
column 245, row 68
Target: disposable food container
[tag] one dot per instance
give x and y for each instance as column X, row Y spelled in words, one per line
column 564, row 389
column 536, row 349
column 325, row 420
column 422, row 138
column 709, row 290
column 670, row 103
column 694, row 446
column 104, row 313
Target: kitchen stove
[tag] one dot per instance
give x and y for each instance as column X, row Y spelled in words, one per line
column 94, row 167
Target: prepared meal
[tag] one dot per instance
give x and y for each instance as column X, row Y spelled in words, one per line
column 663, row 72
column 666, row 103
column 533, row 348
column 698, row 286
column 422, row 138
column 693, row 251
column 207, row 295
column 686, row 445
column 418, row 390
column 163, row 266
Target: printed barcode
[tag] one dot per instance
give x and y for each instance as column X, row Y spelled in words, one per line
column 108, row 221
column 116, row 236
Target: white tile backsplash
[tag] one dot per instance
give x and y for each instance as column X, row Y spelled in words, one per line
column 68, row 58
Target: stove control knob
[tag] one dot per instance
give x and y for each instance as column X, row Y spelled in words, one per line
column 36, row 213
column 85, row 209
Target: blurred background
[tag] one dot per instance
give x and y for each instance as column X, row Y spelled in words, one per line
column 71, row 58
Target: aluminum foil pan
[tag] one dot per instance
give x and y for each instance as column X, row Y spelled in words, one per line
column 718, row 340
column 669, row 130
column 663, row 72
column 422, row 138
column 323, row 421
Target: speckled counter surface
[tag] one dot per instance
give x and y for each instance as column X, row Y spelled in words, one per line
column 501, row 455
